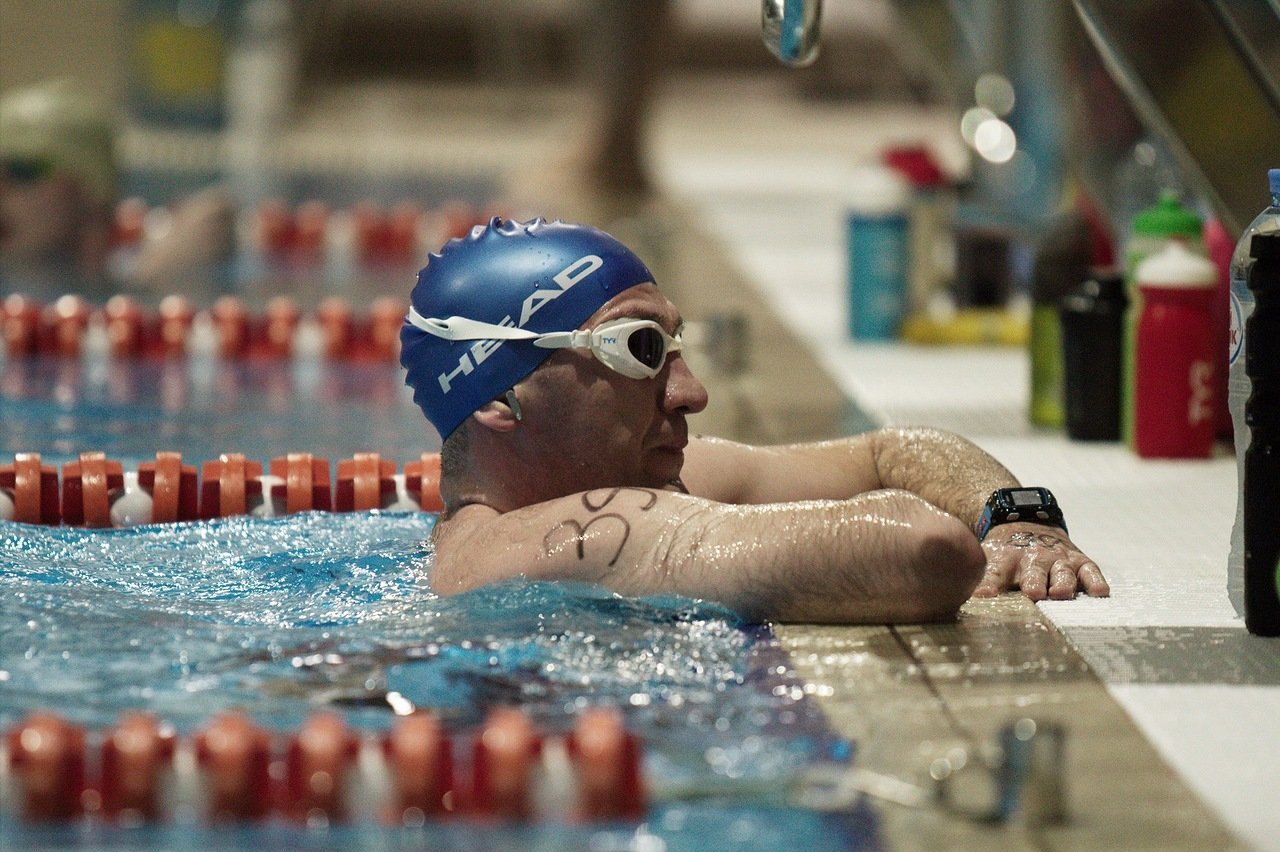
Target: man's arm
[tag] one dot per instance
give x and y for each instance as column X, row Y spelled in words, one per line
column 882, row 557
column 946, row 470
column 942, row 468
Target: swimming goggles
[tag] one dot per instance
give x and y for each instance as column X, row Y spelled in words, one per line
column 26, row 170
column 636, row 348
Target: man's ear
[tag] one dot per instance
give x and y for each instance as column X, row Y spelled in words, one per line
column 496, row 415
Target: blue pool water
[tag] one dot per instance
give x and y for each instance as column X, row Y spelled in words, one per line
column 285, row 616
column 61, row 407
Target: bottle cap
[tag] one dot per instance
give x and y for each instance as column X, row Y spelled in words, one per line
column 1265, row 246
column 876, row 190
column 1101, row 292
column 917, row 164
column 1175, row 265
column 1167, row 218
column 1273, row 181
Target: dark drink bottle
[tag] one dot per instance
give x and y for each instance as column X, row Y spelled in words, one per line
column 1262, row 458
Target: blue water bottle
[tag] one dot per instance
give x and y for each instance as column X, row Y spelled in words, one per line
column 877, row 238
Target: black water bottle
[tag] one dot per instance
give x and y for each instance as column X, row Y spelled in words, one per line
column 1262, row 459
column 1092, row 318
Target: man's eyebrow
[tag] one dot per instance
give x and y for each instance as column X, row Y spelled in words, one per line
column 646, row 312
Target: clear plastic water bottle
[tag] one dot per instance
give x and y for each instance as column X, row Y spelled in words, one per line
column 1238, row 384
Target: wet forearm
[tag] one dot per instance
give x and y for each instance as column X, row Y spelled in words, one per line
column 880, row 557
column 948, row 471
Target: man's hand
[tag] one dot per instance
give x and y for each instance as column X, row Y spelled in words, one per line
column 1041, row 561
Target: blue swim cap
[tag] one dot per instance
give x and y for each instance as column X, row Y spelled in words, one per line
column 540, row 276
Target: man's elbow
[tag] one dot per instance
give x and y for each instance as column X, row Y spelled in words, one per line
column 949, row 566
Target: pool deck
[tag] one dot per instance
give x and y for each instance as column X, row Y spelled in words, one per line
column 1171, row 710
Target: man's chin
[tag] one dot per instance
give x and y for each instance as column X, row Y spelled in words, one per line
column 664, row 466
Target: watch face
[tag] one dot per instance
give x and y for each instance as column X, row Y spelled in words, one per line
column 1026, row 496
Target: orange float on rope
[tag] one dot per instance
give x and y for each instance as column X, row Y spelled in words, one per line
column 172, row 486
column 401, row 233
column 136, row 754
column 386, row 317
column 306, row 482
column 126, row 326
column 422, row 480
column 279, row 326
column 48, row 755
column 231, row 325
column 234, row 756
column 176, row 316
column 87, row 488
column 20, row 324
column 337, row 323
column 504, row 756
column 365, row 482
column 275, row 229
column 606, row 760
column 311, row 229
column 34, row 487
column 229, row 483
column 319, row 757
column 419, row 759
column 64, row 323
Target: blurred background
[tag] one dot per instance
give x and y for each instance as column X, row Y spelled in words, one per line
column 505, row 103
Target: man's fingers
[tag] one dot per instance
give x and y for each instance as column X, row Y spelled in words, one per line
column 1062, row 581
column 1034, row 579
column 996, row 578
column 1093, row 582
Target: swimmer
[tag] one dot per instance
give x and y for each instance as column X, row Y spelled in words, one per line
column 549, row 360
column 59, row 179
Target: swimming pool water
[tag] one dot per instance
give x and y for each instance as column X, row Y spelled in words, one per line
column 286, row 615
column 60, row 407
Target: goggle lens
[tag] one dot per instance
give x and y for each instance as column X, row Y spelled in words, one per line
column 648, row 346
column 27, row 170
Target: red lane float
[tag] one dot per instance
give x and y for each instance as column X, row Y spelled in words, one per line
column 230, row 484
column 137, row 758
column 172, row 486
column 348, row 337
column 419, row 758
column 365, row 482
column 320, row 757
column 234, row 756
column 20, row 325
column 231, row 770
column 126, row 326
column 96, row 492
column 47, row 756
column 65, row 323
column 306, row 483
column 502, row 763
column 606, row 760
column 134, row 331
column 32, row 488
column 422, row 481
column 88, row 486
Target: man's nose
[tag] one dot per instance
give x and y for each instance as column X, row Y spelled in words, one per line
column 683, row 393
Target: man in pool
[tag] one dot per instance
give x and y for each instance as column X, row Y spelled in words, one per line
column 549, row 360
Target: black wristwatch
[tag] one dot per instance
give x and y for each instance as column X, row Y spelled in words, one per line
column 1005, row 505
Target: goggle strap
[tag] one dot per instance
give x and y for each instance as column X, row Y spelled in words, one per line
column 461, row 328
column 581, row 339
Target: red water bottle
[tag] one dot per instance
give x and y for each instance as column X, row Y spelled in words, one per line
column 1176, row 355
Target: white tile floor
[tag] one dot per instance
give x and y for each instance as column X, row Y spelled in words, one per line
column 1159, row 529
